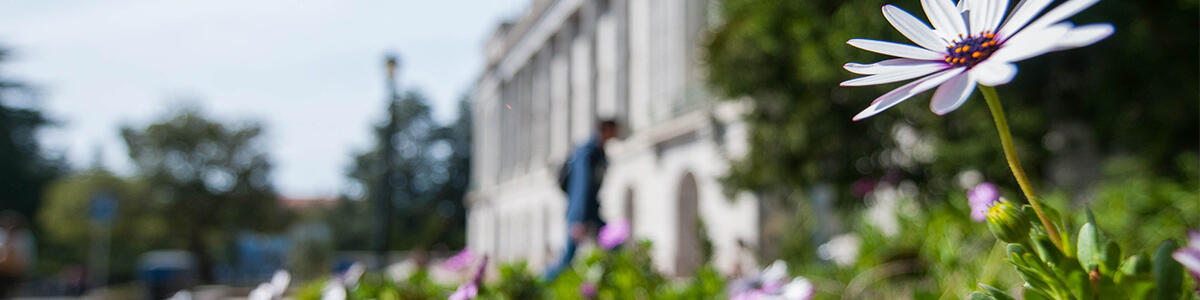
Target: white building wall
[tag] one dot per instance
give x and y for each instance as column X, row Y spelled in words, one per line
column 562, row 70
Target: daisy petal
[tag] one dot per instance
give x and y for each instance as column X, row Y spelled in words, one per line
column 887, row 66
column 906, row 91
column 1025, row 11
column 1031, row 42
column 945, row 18
column 993, row 73
column 953, row 93
column 894, row 76
column 1083, row 36
column 1062, row 12
column 913, row 29
column 996, row 10
column 895, row 49
column 977, row 12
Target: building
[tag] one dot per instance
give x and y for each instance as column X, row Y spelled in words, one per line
column 564, row 64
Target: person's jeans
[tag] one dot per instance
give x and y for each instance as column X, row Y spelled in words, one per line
column 564, row 261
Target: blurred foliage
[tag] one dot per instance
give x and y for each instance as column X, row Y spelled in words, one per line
column 625, row 273
column 211, row 179
column 628, row 273
column 516, row 282
column 432, row 166
column 24, row 169
column 137, row 227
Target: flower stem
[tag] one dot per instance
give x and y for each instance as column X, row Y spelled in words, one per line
column 1014, row 163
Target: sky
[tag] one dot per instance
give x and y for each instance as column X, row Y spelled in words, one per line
column 310, row 71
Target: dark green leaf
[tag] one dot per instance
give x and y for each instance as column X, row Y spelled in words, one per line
column 995, row 292
column 1168, row 274
column 980, row 296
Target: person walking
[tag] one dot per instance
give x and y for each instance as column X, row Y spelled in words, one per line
column 580, row 178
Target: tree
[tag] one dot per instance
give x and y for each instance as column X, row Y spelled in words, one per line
column 137, row 227
column 432, row 168
column 24, row 170
column 213, row 178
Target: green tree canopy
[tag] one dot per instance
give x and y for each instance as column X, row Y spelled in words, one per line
column 432, row 168
column 213, row 178
column 24, row 168
column 137, row 227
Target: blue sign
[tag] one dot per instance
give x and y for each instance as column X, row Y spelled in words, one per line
column 103, row 207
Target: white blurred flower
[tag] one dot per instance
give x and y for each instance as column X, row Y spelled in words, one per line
column 272, row 290
column 333, row 290
column 352, row 274
column 841, row 249
column 771, row 283
column 181, row 295
column 881, row 213
column 962, row 50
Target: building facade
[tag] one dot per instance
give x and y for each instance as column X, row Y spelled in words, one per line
column 555, row 71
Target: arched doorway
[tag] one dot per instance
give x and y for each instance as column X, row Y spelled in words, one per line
column 687, row 248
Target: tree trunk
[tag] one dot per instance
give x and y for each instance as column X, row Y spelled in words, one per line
column 204, row 262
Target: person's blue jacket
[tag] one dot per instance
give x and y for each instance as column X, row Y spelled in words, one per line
column 588, row 164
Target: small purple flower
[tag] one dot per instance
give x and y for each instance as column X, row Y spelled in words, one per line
column 862, row 187
column 588, row 290
column 465, row 291
column 459, row 261
column 1189, row 256
column 614, row 234
column 981, row 198
column 470, row 289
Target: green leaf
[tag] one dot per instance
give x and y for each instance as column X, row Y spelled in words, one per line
column 980, row 296
column 1168, row 274
column 1135, row 265
column 1089, row 250
column 1112, row 259
column 1031, row 293
column 1081, row 287
column 1048, row 251
column 995, row 292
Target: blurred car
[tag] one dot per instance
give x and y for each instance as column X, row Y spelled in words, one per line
column 165, row 272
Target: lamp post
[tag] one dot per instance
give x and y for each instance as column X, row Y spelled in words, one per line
column 384, row 193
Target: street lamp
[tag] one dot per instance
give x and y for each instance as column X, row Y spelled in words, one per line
column 384, row 194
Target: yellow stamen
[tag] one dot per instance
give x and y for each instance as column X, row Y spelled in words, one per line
column 976, row 54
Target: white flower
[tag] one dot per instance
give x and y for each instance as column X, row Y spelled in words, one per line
column 798, row 289
column 978, row 46
column 772, row 283
column 273, row 289
column 333, row 290
column 181, row 295
column 841, row 249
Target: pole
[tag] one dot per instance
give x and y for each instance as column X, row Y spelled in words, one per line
column 387, row 153
column 103, row 209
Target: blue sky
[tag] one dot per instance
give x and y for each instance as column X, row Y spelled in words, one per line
column 311, row 71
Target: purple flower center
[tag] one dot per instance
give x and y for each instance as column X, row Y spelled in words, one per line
column 971, row 50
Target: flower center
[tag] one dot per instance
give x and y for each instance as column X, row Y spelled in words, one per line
column 971, row 50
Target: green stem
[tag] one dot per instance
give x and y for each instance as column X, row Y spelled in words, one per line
column 1010, row 154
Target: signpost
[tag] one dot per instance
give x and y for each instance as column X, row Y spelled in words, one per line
column 101, row 211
